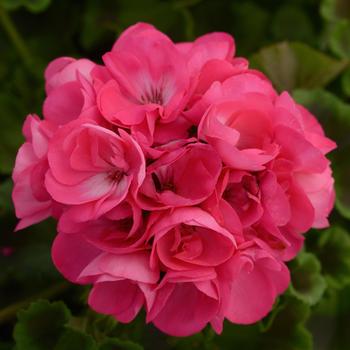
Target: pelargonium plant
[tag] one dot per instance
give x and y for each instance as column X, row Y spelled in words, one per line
column 182, row 182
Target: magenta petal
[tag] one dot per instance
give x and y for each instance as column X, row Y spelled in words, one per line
column 122, row 299
column 88, row 190
column 253, row 290
column 116, row 108
column 64, row 104
column 304, row 155
column 71, row 254
column 179, row 319
column 133, row 266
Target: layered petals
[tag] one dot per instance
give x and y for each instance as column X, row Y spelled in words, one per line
column 183, row 239
column 250, row 283
column 143, row 83
column 180, row 179
column 168, row 312
column 31, row 199
column 93, row 167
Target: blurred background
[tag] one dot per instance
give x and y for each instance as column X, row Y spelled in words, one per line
column 302, row 45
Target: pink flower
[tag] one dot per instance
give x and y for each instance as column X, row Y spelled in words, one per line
column 142, row 84
column 319, row 185
column 243, row 290
column 249, row 284
column 253, row 130
column 92, row 168
column 241, row 131
column 183, row 177
column 118, row 231
column 180, row 179
column 69, row 89
column 183, row 240
column 122, row 282
column 222, row 81
column 185, row 303
column 66, row 69
column 207, row 48
column 31, row 199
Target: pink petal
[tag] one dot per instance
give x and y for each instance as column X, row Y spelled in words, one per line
column 122, row 299
column 183, row 319
column 64, row 104
column 71, row 254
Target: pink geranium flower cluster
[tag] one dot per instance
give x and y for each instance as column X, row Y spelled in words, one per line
column 180, row 179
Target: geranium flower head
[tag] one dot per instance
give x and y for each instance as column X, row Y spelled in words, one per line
column 181, row 180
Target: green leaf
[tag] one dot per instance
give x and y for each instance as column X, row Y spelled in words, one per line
column 339, row 38
column 44, row 326
column 36, row 5
column 332, row 10
column 308, row 285
column 328, row 109
column 292, row 313
column 115, row 343
column 41, row 325
column 266, row 323
column 333, row 252
column 10, row 4
column 288, row 331
column 296, row 65
column 102, row 324
column 345, row 82
column 282, row 329
column 328, row 305
column 283, row 25
column 235, row 336
column 203, row 341
column 32, row 5
column 72, row 339
column 333, row 325
column 250, row 23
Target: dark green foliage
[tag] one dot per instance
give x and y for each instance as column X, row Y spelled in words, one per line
column 308, row 285
column 44, row 326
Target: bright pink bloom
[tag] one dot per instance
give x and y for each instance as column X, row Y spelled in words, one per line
column 121, row 281
column 253, row 130
column 220, row 82
column 181, row 180
column 93, row 168
column 185, row 303
column 66, row 69
column 143, row 84
column 249, row 284
column 183, row 240
column 183, row 177
column 69, row 89
column 241, row 131
column 118, row 231
column 209, row 47
column 31, row 199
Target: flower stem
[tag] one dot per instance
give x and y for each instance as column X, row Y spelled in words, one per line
column 15, row 37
